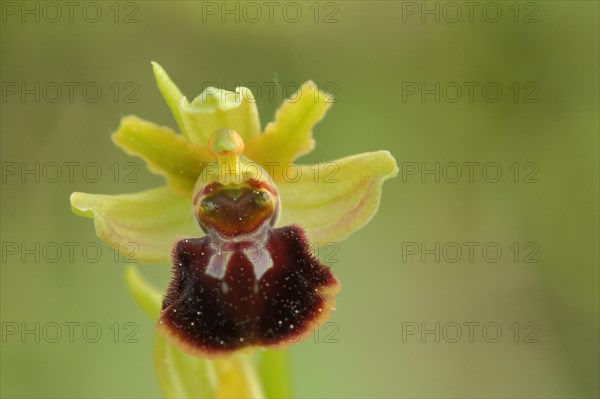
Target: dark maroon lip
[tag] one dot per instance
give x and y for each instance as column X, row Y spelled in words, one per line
column 215, row 316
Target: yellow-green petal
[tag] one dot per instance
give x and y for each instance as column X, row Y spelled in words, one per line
column 216, row 109
column 143, row 226
column 166, row 153
column 290, row 135
column 171, row 93
column 340, row 199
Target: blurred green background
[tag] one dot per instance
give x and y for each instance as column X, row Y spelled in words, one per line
column 368, row 54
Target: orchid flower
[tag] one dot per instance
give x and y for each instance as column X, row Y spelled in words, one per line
column 243, row 274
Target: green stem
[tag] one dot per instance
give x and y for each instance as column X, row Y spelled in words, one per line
column 237, row 378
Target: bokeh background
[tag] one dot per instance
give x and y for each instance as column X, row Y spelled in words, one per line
column 368, row 54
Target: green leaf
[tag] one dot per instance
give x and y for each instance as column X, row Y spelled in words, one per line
column 171, row 94
column 166, row 153
column 290, row 135
column 142, row 226
column 338, row 200
column 274, row 370
column 147, row 297
column 181, row 375
column 216, row 108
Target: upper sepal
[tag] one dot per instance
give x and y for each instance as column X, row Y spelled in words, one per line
column 213, row 109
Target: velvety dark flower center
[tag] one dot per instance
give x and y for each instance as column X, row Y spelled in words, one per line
column 214, row 316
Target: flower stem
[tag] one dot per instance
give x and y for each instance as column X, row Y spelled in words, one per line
column 237, row 378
